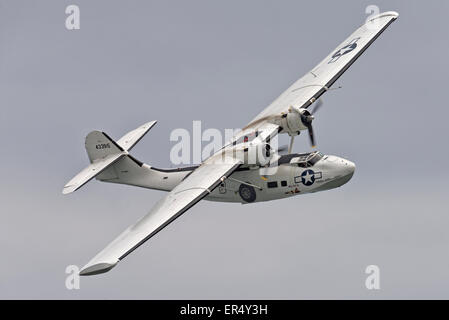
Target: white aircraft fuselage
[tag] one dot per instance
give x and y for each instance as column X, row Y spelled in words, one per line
column 294, row 174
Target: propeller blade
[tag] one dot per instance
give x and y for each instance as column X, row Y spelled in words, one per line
column 311, row 135
column 282, row 149
column 317, row 106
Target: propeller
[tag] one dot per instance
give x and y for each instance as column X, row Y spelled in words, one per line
column 317, row 106
column 282, row 149
column 306, row 119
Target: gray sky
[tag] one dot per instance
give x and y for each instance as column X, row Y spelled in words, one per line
column 222, row 62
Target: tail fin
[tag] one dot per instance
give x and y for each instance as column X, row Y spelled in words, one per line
column 99, row 145
column 104, row 152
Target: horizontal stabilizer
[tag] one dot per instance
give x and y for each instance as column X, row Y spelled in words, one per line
column 130, row 139
column 90, row 172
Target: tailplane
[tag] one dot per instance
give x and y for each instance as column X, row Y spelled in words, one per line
column 104, row 152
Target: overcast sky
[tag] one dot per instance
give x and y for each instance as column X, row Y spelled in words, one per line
column 222, row 62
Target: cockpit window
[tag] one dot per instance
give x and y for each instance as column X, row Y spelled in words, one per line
column 315, row 157
column 304, row 164
column 306, row 160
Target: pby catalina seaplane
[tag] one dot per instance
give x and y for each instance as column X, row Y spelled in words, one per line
column 231, row 174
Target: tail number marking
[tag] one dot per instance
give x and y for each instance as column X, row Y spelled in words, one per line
column 103, row 146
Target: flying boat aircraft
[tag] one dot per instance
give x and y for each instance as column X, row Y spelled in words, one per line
column 245, row 170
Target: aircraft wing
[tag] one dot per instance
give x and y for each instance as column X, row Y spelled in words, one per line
column 311, row 86
column 190, row 191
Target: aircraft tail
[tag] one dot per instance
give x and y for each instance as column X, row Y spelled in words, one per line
column 99, row 146
column 104, row 152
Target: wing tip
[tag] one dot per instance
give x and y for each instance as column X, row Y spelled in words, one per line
column 98, row 268
column 392, row 14
column 148, row 125
column 68, row 189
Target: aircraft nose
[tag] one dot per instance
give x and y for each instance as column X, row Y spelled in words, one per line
column 350, row 166
column 346, row 167
column 341, row 166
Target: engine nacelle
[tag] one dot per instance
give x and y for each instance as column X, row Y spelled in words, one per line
column 293, row 121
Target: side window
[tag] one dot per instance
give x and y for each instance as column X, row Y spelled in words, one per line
column 303, row 165
column 272, row 184
column 283, row 183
